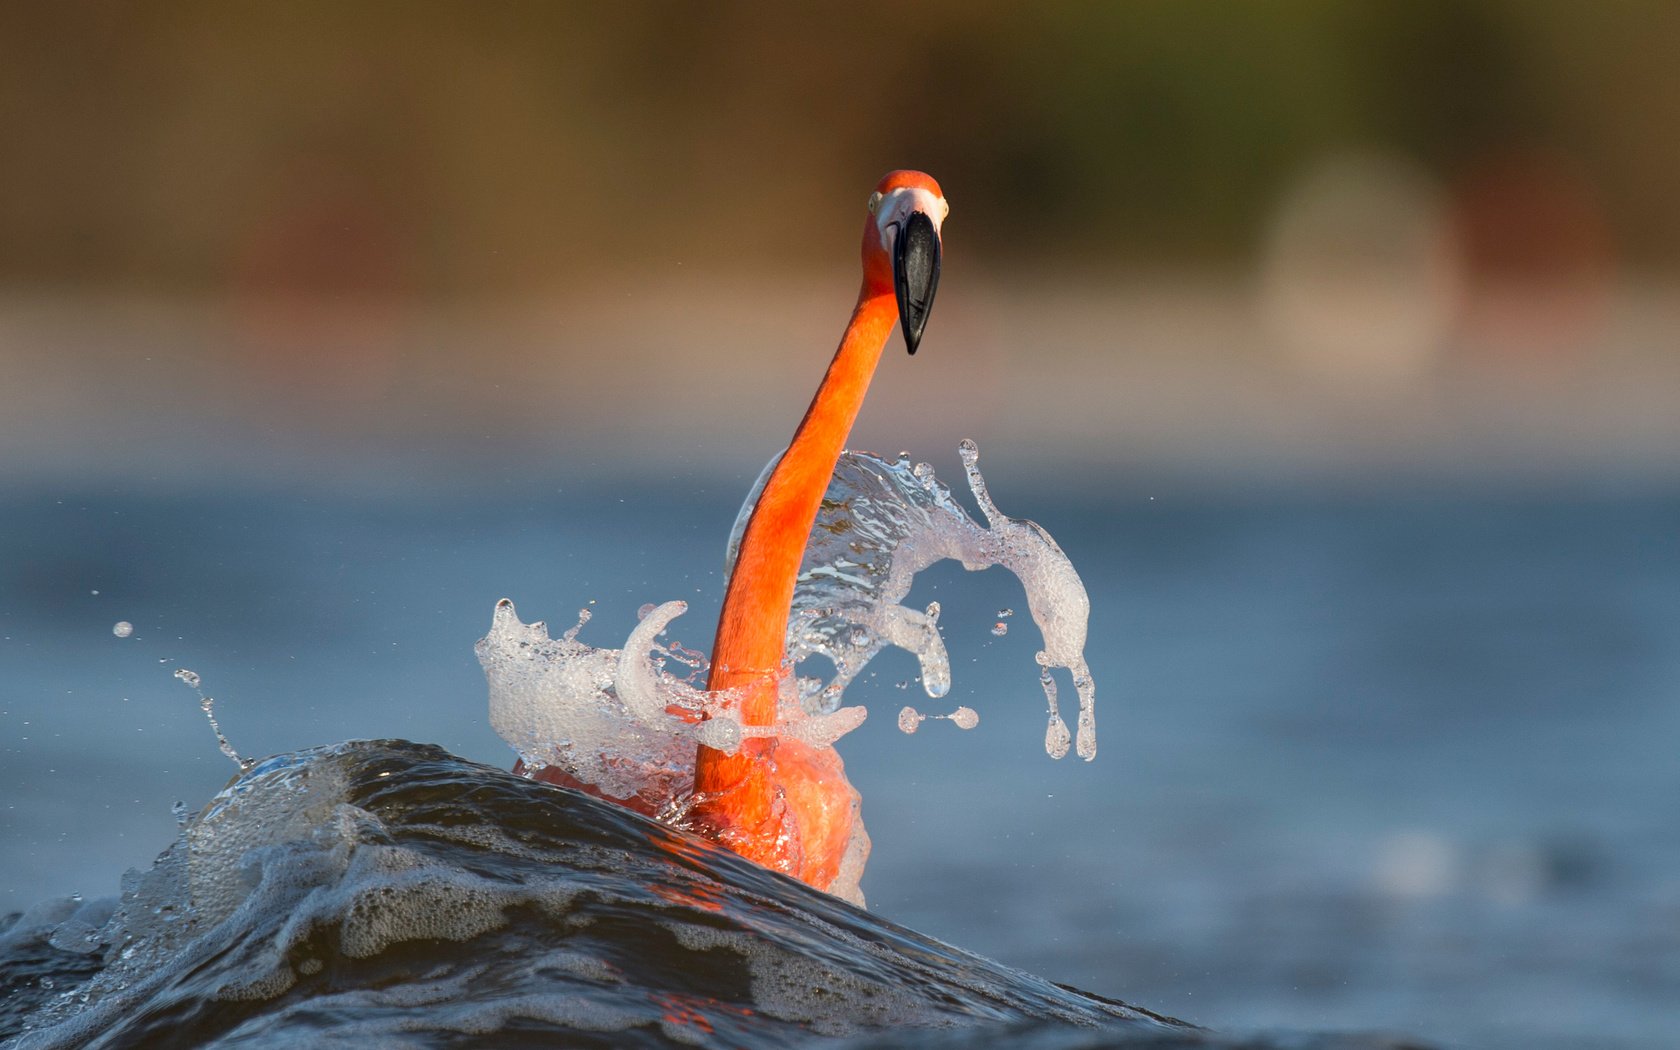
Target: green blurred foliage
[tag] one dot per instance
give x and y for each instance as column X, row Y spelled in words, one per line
column 471, row 149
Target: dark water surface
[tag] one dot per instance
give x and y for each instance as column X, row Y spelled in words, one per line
column 387, row 894
column 1399, row 760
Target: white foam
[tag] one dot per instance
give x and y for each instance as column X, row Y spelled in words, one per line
column 616, row 719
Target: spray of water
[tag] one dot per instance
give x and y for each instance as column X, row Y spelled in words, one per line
column 622, row 721
column 208, row 705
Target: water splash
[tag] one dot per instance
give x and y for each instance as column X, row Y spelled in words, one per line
column 1056, row 599
column 122, row 628
column 559, row 702
column 886, row 522
column 620, row 721
column 208, row 705
column 881, row 523
column 910, row 719
column 616, row 719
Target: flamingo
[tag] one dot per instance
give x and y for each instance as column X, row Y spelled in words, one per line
column 779, row 800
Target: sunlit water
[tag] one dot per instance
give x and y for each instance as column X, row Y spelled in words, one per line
column 1397, row 759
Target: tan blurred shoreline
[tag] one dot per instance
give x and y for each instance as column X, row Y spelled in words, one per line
column 694, row 377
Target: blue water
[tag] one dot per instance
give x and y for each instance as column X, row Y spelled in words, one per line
column 1370, row 757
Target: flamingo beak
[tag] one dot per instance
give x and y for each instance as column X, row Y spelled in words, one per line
column 915, row 274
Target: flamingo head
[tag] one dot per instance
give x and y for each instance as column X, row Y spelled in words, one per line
column 901, row 246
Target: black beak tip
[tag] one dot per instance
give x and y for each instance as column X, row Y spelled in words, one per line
column 915, row 276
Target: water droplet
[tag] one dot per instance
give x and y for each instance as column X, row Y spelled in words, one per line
column 180, row 811
column 122, row 628
column 999, row 629
column 189, row 677
column 909, row 720
column 1056, row 737
column 965, row 717
column 571, row 632
column 722, row 733
column 641, row 613
column 1005, row 613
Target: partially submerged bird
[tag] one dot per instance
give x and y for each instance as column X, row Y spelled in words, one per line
column 782, row 801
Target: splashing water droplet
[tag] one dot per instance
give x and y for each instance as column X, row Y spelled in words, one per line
column 208, row 704
column 1005, row 613
column 1087, row 712
column 571, row 632
column 641, row 613
column 722, row 733
column 122, row 628
column 999, row 629
column 1056, row 736
column 910, row 719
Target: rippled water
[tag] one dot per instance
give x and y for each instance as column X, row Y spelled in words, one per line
column 388, row 893
column 1397, row 758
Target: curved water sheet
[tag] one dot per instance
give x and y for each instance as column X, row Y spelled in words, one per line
column 382, row 893
column 880, row 524
column 562, row 703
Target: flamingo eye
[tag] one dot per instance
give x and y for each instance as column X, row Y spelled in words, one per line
column 874, row 201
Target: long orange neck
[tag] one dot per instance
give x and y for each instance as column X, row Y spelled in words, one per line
column 752, row 627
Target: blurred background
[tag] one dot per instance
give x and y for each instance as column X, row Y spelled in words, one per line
column 1336, row 343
